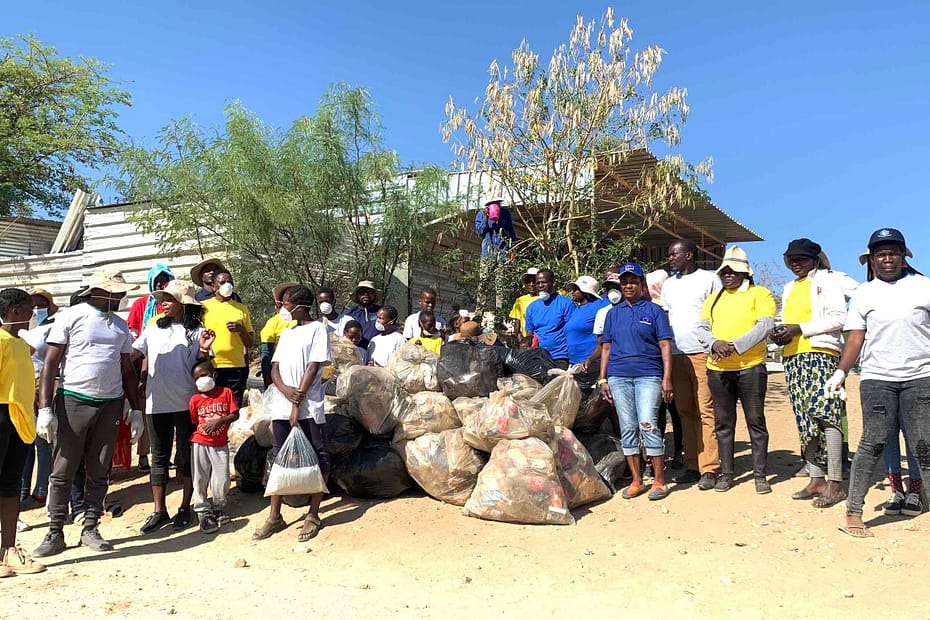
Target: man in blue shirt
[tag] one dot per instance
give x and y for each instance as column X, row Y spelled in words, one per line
column 365, row 310
column 494, row 225
column 546, row 318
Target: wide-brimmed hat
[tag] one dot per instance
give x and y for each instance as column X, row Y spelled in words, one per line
column 196, row 269
column 41, row 292
column 111, row 281
column 885, row 235
column 736, row 259
column 180, row 291
column 496, row 199
column 279, row 290
column 587, row 284
column 364, row 284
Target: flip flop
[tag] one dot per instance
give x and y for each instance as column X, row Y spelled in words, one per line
column 635, row 488
column 825, row 501
column 805, row 494
column 310, row 528
column 857, row 531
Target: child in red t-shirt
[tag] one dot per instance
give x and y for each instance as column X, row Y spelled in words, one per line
column 213, row 409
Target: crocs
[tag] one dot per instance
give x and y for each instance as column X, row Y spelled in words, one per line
column 635, row 488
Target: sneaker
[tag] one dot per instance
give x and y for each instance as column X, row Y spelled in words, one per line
column 894, row 504
column 156, row 521
column 30, row 502
column 690, row 476
column 144, row 466
column 183, row 519
column 707, row 481
column 648, row 472
column 913, row 505
column 763, row 487
column 22, row 526
column 20, row 563
column 209, row 524
column 221, row 517
column 676, row 462
column 724, row 483
column 52, row 544
column 91, row 538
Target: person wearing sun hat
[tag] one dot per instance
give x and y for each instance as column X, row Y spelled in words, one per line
column 272, row 330
column 171, row 347
column 813, row 313
column 734, row 325
column 91, row 345
column 518, row 311
column 366, row 310
column 888, row 331
column 203, row 275
column 579, row 330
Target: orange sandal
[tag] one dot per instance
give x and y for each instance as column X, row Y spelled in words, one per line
column 635, row 488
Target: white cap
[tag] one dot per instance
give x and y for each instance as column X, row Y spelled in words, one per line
column 587, row 284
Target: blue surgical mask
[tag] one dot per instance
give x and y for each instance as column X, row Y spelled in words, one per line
column 40, row 314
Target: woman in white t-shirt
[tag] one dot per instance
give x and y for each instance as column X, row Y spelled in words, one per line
column 171, row 347
column 889, row 323
column 302, row 351
column 388, row 340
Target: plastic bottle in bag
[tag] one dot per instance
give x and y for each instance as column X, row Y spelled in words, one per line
column 580, row 479
column 504, row 417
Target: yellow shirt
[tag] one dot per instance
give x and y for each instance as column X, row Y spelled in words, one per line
column 519, row 310
column 798, row 310
column 18, row 384
column 734, row 314
column 228, row 349
column 433, row 343
column 273, row 328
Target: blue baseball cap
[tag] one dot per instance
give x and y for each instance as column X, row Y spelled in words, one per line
column 633, row 268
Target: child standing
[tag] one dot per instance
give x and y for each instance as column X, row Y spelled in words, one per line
column 353, row 331
column 213, row 409
column 427, row 334
column 388, row 339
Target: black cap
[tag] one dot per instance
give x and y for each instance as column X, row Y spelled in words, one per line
column 803, row 247
column 886, row 235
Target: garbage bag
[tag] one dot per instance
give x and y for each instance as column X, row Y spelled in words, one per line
column 414, row 368
column 368, row 392
column 593, row 411
column 607, row 453
column 373, row 471
column 468, row 368
column 580, row 479
column 296, row 469
column 520, row 484
column 561, row 396
column 421, row 413
column 534, row 362
column 261, row 430
column 275, row 404
column 444, row 465
column 467, row 407
column 343, row 434
column 344, row 352
column 522, row 387
column 250, row 466
column 504, row 417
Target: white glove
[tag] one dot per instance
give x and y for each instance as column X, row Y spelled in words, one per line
column 833, row 388
column 136, row 424
column 47, row 425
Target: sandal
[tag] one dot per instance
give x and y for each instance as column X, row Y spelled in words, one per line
column 635, row 488
column 825, row 501
column 310, row 529
column 269, row 528
column 658, row 491
column 857, row 531
column 805, row 493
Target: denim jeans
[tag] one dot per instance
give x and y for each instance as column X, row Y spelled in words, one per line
column 39, row 452
column 748, row 387
column 892, row 455
column 882, row 403
column 636, row 400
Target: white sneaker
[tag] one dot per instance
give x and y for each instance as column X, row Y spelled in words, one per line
column 22, row 526
column 913, row 505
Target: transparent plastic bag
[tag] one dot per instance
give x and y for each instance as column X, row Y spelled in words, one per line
column 606, row 452
column 296, row 470
column 520, row 484
column 368, row 392
column 562, row 397
column 522, row 387
column 275, row 405
column 444, row 465
column 344, row 352
column 421, row 413
column 467, row 407
column 503, row 417
column 580, row 479
column 414, row 368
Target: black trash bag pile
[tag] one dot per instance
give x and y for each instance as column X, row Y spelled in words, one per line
column 468, row 368
column 373, row 471
column 444, row 465
column 250, row 466
column 343, row 434
column 534, row 363
column 593, row 411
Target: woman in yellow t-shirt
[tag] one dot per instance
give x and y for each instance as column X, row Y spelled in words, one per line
column 734, row 325
column 232, row 323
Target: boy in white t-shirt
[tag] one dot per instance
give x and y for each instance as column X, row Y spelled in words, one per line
column 388, row 339
column 427, row 302
column 302, row 351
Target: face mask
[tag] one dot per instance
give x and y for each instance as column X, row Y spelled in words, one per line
column 379, row 326
column 326, row 308
column 544, row 295
column 614, row 296
column 427, row 334
column 287, row 315
column 113, row 303
column 40, row 315
column 226, row 289
column 29, row 322
column 205, row 384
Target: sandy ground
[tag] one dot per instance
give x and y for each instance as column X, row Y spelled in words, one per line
column 718, row 555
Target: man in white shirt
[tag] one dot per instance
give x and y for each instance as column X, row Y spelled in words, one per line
column 92, row 346
column 683, row 296
column 427, row 302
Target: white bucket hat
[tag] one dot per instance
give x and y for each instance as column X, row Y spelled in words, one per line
column 587, row 284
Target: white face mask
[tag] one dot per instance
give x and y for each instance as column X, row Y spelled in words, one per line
column 205, row 384
column 285, row 314
column 379, row 326
column 226, row 289
column 326, row 308
column 544, row 295
column 614, row 296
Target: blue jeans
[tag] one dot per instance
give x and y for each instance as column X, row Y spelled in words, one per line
column 637, row 400
column 893, row 452
column 39, row 452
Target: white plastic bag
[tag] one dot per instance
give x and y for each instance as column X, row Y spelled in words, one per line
column 296, row 470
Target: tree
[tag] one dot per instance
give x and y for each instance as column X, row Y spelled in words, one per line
column 541, row 131
column 324, row 203
column 57, row 116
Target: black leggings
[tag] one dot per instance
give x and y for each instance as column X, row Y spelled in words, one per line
column 12, row 455
column 165, row 429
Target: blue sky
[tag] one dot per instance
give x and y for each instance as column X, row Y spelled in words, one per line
column 815, row 113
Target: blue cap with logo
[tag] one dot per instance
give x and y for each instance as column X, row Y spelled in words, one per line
column 633, row 268
column 885, row 235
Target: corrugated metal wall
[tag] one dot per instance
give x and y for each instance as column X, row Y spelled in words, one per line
column 23, row 236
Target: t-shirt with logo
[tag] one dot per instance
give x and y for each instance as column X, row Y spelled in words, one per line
column 634, row 332
column 206, row 408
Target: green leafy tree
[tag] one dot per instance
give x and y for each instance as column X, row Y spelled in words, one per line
column 324, row 202
column 57, row 117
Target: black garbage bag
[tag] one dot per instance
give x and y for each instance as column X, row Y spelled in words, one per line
column 607, row 454
column 374, row 470
column 343, row 435
column 468, row 368
column 250, row 466
column 592, row 413
column 535, row 363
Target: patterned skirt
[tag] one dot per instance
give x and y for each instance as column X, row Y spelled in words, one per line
column 805, row 374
